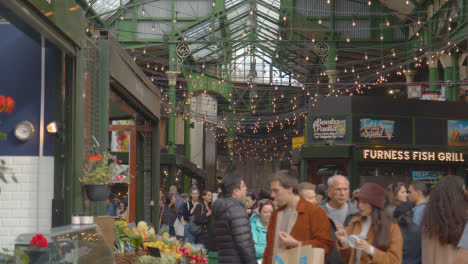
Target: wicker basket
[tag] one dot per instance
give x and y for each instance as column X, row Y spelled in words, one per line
column 127, row 258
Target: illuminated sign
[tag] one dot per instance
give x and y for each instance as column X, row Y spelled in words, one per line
column 371, row 128
column 297, row 142
column 329, row 128
column 373, row 154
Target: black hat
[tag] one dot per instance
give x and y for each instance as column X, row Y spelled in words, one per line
column 402, row 209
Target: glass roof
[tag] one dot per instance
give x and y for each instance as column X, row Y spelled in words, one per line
column 107, row 7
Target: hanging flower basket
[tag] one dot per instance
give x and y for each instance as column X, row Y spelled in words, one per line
column 97, row 192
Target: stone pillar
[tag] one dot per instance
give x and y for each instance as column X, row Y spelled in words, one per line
column 447, row 62
column 432, row 60
column 331, row 66
column 413, row 92
column 332, row 76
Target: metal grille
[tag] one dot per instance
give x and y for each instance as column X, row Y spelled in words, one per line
column 312, row 8
column 91, row 69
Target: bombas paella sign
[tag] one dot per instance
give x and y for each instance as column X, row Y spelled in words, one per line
column 329, row 128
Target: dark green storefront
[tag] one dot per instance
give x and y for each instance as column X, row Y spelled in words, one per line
column 384, row 140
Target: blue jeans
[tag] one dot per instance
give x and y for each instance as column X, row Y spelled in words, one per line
column 190, row 238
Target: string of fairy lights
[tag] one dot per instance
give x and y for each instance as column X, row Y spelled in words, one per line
column 265, row 113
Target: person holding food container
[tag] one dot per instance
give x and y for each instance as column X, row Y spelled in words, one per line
column 371, row 237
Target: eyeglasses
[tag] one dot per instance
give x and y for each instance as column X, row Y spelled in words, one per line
column 263, row 201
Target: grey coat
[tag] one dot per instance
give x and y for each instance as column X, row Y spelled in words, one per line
column 335, row 257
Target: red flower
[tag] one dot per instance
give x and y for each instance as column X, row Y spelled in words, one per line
column 97, row 158
column 10, row 104
column 7, row 104
column 123, row 136
column 39, row 241
column 2, row 103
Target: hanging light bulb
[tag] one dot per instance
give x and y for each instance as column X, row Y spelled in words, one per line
column 417, row 34
column 419, row 21
column 365, row 56
column 353, row 23
column 381, row 36
column 284, row 18
column 393, row 53
column 387, row 23
column 369, row 3
column 143, row 11
column 213, row 4
column 348, row 40
column 336, row 57
column 313, row 38
column 144, row 51
column 153, row 28
column 407, row 2
column 121, row 17
column 210, row 28
column 307, row 58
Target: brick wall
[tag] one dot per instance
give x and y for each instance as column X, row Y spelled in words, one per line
column 26, row 206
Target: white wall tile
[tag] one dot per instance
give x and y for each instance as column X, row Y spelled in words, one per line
column 26, row 206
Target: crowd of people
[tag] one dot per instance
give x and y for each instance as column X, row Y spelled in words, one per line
column 399, row 224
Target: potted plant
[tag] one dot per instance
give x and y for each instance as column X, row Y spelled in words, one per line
column 99, row 172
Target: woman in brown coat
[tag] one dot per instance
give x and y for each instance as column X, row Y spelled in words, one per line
column 372, row 237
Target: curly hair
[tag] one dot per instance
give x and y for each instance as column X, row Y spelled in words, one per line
column 446, row 211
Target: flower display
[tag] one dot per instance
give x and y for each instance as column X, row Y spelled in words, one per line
column 122, row 142
column 105, row 169
column 39, row 241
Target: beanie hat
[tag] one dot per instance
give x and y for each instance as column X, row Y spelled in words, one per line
column 372, row 193
column 402, row 209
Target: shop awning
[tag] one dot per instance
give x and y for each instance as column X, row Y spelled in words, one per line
column 189, row 168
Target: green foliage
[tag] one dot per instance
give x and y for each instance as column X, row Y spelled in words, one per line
column 19, row 256
column 103, row 169
column 136, row 240
column 2, row 136
column 148, row 260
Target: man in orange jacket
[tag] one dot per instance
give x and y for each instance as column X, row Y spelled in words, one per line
column 296, row 222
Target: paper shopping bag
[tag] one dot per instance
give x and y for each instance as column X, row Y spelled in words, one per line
column 301, row 255
column 179, row 227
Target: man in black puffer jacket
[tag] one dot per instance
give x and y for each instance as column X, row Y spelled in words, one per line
column 232, row 227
